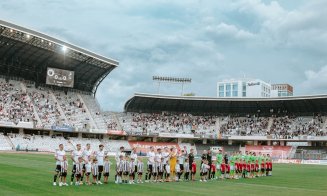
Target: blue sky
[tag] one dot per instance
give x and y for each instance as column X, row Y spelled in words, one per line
column 277, row 41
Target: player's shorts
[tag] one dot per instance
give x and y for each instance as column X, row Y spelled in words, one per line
column 193, row 173
column 84, row 168
column 140, row 173
column 160, row 173
column 78, row 175
column 74, row 169
column 63, row 174
column 131, row 173
column 87, row 173
column 58, row 168
column 135, row 170
column 125, row 173
column 119, row 173
column 232, row 168
column 100, row 167
column 106, row 174
column 213, row 173
column 181, row 166
column 256, row 169
column 95, row 175
column 150, row 168
column 154, row 173
column 218, row 167
column 262, row 169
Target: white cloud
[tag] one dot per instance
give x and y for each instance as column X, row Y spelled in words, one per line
column 230, row 32
column 315, row 81
column 204, row 40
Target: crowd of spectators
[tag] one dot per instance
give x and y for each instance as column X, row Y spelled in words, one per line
column 15, row 106
column 183, row 123
column 251, row 125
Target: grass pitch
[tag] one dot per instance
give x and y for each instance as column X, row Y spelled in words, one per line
column 32, row 174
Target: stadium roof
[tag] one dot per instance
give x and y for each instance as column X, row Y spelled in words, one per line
column 26, row 54
column 305, row 105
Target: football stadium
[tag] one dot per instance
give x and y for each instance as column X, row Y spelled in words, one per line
column 55, row 139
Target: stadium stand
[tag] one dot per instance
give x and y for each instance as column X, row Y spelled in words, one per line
column 83, row 141
column 114, row 145
column 4, row 144
column 14, row 103
column 310, row 152
column 30, row 103
column 39, row 143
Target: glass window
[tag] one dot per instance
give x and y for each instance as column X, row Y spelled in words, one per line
column 244, row 86
column 221, row 87
column 228, row 87
column 235, row 94
column 235, row 87
column 227, row 93
column 221, row 94
column 244, row 94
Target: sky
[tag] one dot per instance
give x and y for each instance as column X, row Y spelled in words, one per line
column 206, row 40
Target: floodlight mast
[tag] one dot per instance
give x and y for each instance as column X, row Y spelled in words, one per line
column 171, row 80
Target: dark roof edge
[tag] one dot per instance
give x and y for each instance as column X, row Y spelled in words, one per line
column 57, row 41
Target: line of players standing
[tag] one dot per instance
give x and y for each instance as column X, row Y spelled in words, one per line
column 162, row 165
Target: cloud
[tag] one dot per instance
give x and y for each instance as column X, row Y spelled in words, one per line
column 205, row 40
column 315, row 81
column 227, row 32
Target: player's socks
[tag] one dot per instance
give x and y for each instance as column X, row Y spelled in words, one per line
column 55, row 178
column 82, row 178
column 99, row 176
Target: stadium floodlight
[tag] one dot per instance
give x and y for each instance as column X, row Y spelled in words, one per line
column 64, row 48
column 182, row 81
column 28, row 36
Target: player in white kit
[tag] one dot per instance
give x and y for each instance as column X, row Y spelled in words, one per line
column 100, row 154
column 74, row 157
column 59, row 156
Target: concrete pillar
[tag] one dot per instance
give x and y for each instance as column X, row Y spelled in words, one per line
column 51, row 133
column 129, row 138
column 255, row 143
column 154, row 139
column 205, row 141
column 269, row 142
column 21, row 131
column 282, row 143
column 105, row 137
column 230, row 142
column 179, row 140
column 79, row 135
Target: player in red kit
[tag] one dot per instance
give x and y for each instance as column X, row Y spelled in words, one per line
column 223, row 169
column 244, row 172
column 193, row 170
column 256, row 168
column 248, row 169
column 213, row 171
column 269, row 165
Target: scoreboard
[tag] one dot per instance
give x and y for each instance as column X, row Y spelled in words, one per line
column 60, row 77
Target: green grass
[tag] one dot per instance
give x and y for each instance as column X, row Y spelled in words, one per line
column 32, row 174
